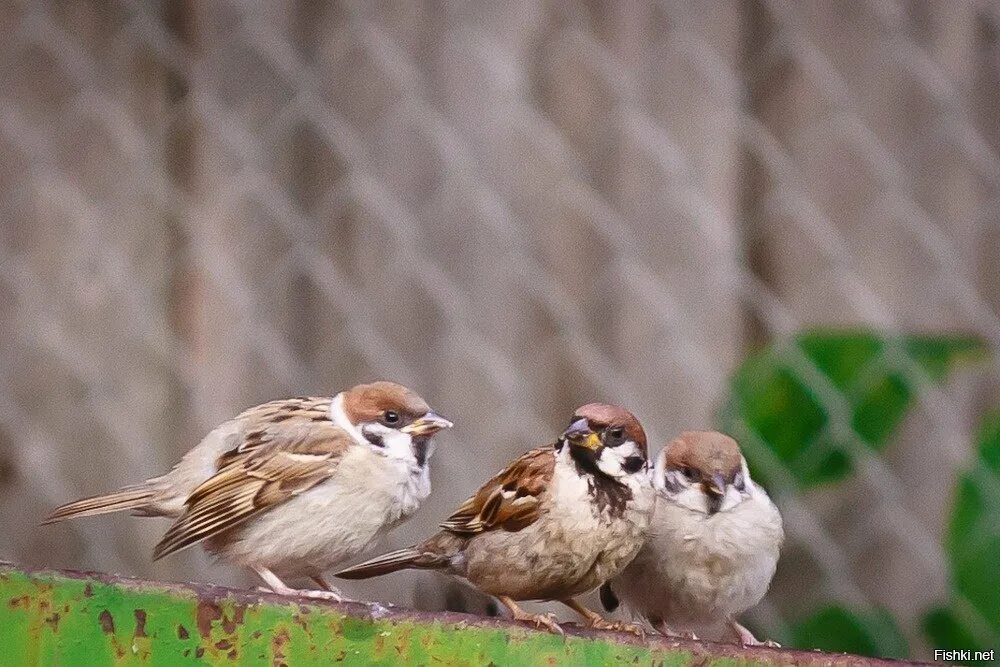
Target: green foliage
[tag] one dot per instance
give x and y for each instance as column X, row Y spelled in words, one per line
column 973, row 620
column 809, row 402
column 945, row 630
column 837, row 629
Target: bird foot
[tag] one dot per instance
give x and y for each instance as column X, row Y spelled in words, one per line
column 305, row 593
column 600, row 623
column 667, row 631
column 540, row 620
column 746, row 638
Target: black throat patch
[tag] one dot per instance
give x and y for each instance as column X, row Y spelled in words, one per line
column 608, row 493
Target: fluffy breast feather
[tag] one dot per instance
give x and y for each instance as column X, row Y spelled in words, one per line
column 698, row 570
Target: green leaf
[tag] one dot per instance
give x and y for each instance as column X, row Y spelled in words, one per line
column 973, row 548
column 945, row 631
column 806, row 404
column 838, row 629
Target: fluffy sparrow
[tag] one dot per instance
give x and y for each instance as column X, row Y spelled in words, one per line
column 557, row 522
column 292, row 487
column 713, row 543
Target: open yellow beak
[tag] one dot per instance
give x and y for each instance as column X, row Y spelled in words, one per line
column 429, row 424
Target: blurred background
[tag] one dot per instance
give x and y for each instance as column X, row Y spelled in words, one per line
column 775, row 218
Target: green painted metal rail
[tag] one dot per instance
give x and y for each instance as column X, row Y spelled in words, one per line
column 70, row 618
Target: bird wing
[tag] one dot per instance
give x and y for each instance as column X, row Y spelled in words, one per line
column 284, row 458
column 263, row 425
column 511, row 500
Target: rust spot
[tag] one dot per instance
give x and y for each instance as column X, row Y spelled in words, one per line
column 88, row 591
column 231, row 655
column 229, row 624
column 107, row 622
column 256, row 634
column 182, row 632
column 22, row 601
column 53, row 621
column 206, row 613
column 199, row 652
column 301, row 622
column 223, row 644
column 140, row 623
column 278, row 642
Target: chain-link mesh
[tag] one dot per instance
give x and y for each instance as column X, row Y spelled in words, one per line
column 514, row 207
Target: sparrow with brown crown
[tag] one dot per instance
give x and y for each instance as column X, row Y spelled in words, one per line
column 292, row 487
column 556, row 523
column 713, row 543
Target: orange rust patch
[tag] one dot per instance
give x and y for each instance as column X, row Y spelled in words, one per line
column 278, row 643
column 22, row 601
column 206, row 613
column 107, row 622
column 229, row 624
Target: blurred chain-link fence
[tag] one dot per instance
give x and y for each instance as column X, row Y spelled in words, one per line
column 514, row 207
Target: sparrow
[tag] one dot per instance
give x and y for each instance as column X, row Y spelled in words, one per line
column 292, row 487
column 556, row 523
column 713, row 543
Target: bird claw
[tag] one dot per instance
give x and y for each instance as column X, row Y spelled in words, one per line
column 541, row 620
column 667, row 631
column 304, row 593
column 746, row 638
column 599, row 623
column 319, row 595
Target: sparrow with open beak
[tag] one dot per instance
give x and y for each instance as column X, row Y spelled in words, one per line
column 556, row 523
column 713, row 543
column 292, row 487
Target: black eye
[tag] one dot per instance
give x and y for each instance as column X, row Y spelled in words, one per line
column 690, row 473
column 615, row 436
column 390, row 418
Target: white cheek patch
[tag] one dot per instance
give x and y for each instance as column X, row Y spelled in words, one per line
column 395, row 444
column 612, row 461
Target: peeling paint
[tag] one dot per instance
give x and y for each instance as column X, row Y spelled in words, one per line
column 105, row 620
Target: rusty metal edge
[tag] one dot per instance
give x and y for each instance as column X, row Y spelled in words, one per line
column 385, row 612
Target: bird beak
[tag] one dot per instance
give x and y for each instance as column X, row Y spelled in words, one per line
column 717, row 485
column 429, row 424
column 579, row 434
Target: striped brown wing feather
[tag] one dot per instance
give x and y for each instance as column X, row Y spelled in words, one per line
column 296, row 458
column 509, row 501
column 264, row 424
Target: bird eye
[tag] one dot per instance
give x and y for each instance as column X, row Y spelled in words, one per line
column 688, row 472
column 615, row 437
column 390, row 418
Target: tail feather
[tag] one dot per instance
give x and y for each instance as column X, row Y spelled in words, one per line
column 131, row 497
column 403, row 559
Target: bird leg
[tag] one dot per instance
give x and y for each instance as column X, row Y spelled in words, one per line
column 595, row 620
column 278, row 586
column 665, row 630
column 320, row 581
column 746, row 638
column 539, row 620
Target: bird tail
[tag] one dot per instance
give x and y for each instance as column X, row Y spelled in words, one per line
column 129, row 498
column 402, row 559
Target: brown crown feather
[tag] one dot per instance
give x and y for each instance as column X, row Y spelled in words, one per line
column 367, row 402
column 603, row 415
column 708, row 452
